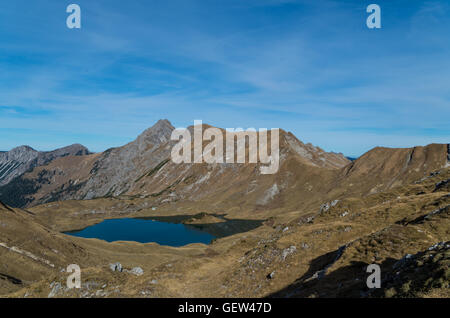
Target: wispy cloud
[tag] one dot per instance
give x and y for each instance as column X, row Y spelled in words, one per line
column 311, row 67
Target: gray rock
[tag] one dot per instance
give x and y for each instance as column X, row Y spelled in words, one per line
column 55, row 290
column 436, row 246
column 333, row 203
column 310, row 219
column 116, row 267
column 137, row 271
column 326, row 206
column 288, row 251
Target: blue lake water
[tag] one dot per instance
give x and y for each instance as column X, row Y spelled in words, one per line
column 145, row 231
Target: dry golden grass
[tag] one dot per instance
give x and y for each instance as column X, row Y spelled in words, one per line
column 279, row 258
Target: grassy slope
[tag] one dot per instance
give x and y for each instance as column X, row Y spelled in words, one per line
column 379, row 228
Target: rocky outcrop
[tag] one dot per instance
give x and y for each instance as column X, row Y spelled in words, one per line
column 137, row 271
column 116, row 267
column 414, row 274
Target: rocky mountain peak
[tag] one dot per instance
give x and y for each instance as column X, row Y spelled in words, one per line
column 23, row 148
column 23, row 158
column 21, row 153
column 315, row 155
column 115, row 169
column 72, row 150
column 155, row 135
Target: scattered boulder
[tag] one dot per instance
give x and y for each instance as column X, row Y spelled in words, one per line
column 56, row 287
column 326, row 206
column 310, row 219
column 438, row 245
column 116, row 267
column 100, row 293
column 288, row 251
column 137, row 271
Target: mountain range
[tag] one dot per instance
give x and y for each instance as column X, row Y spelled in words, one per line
column 22, row 159
column 142, row 168
column 323, row 218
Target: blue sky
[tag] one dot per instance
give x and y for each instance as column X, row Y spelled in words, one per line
column 310, row 67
